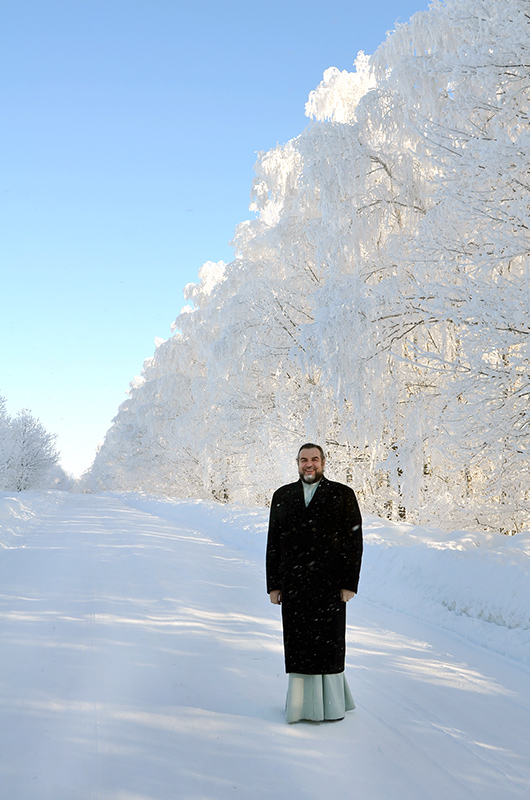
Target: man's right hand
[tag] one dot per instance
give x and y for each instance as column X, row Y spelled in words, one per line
column 276, row 597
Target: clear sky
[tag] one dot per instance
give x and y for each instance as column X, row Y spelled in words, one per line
column 129, row 133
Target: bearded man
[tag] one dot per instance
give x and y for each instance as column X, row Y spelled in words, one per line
column 314, row 551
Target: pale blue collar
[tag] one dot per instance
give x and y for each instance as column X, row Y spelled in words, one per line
column 309, row 491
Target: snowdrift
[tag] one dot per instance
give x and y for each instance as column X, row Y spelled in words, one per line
column 22, row 511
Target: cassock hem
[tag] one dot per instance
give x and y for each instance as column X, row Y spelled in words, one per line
column 317, row 698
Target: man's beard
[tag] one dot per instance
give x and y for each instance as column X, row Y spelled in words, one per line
column 314, row 477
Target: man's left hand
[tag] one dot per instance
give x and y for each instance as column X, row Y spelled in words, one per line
column 346, row 595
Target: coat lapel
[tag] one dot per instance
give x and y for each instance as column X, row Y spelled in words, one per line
column 299, row 494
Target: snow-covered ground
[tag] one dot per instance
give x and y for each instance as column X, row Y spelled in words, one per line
column 141, row 660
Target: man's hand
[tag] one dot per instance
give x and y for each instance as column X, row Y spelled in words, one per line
column 346, row 595
column 276, row 597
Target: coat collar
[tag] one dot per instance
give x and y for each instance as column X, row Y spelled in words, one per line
column 321, row 488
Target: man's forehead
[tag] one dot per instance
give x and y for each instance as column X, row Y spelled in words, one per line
column 309, row 452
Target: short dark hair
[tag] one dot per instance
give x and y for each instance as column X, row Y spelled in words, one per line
column 309, row 446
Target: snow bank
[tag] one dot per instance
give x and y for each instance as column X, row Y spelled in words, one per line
column 476, row 585
column 20, row 512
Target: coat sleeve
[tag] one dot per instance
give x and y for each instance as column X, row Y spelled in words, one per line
column 352, row 542
column 273, row 548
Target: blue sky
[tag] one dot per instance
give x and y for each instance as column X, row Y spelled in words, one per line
column 129, row 134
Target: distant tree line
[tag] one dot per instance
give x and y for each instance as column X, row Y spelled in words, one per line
column 28, row 454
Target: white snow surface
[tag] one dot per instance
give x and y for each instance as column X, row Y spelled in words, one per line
column 142, row 660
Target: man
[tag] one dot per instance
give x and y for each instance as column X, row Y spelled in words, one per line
column 314, row 551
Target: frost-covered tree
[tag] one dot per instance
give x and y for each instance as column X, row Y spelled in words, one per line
column 28, row 454
column 377, row 303
column 5, row 443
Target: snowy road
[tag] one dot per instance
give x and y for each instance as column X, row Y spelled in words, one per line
column 142, row 661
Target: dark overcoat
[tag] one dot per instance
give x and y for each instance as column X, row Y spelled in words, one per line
column 313, row 553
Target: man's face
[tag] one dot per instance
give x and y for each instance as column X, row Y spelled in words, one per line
column 310, row 465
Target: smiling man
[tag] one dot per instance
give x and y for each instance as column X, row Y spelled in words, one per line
column 314, row 552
